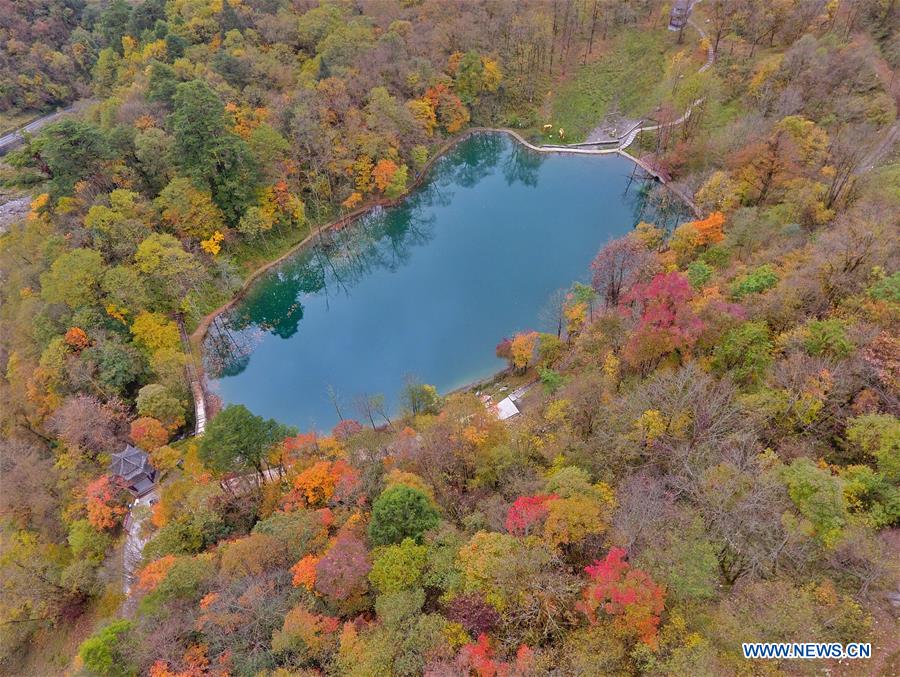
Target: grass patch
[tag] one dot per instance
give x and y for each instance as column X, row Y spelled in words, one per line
column 627, row 76
column 884, row 180
column 248, row 255
column 11, row 121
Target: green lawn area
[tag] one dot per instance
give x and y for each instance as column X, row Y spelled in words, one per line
column 628, row 75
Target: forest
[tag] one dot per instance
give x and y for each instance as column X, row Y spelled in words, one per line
column 711, row 452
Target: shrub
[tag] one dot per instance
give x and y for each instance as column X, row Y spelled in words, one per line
column 887, row 288
column 756, row 282
column 102, row 654
column 827, row 337
column 699, row 273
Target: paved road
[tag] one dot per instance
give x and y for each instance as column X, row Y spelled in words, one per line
column 13, row 139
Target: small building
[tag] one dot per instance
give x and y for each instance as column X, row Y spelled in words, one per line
column 506, row 408
column 680, row 13
column 132, row 466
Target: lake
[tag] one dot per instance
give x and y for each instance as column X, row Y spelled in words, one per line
column 427, row 289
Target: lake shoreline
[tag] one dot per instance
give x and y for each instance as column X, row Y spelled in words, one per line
column 197, row 339
column 199, row 334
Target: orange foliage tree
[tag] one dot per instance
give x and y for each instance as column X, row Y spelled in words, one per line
column 522, row 349
column 304, row 572
column 317, row 484
column 294, row 448
column 76, row 338
column 383, row 173
column 105, row 503
column 149, row 433
column 306, row 632
column 154, row 573
column 711, row 229
column 451, row 111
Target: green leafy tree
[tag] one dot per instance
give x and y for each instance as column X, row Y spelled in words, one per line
column 819, row 496
column 699, row 273
column 124, row 289
column 153, row 151
column 119, row 228
column 871, row 494
column 209, row 152
column 745, row 351
column 188, row 211
column 887, row 288
column 87, row 542
column 73, row 278
column 162, row 82
column 827, row 337
column 198, row 122
column 113, row 24
column 118, row 366
column 66, row 151
column 397, row 185
column 401, row 512
column 237, row 440
column 420, row 398
column 878, row 435
column 170, row 272
column 155, row 401
column 106, row 71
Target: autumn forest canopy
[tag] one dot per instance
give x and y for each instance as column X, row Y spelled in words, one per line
column 708, row 454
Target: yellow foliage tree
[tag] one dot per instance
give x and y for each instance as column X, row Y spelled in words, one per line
column 522, row 349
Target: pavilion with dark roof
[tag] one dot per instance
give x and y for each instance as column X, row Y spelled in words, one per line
column 132, row 465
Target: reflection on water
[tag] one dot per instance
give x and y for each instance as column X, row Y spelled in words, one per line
column 428, row 286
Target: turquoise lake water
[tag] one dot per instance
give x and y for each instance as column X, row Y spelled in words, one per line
column 427, row 289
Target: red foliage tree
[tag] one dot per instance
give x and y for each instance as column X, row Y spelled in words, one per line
column 504, row 349
column 478, row 658
column 629, row 596
column 666, row 320
column 526, row 512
